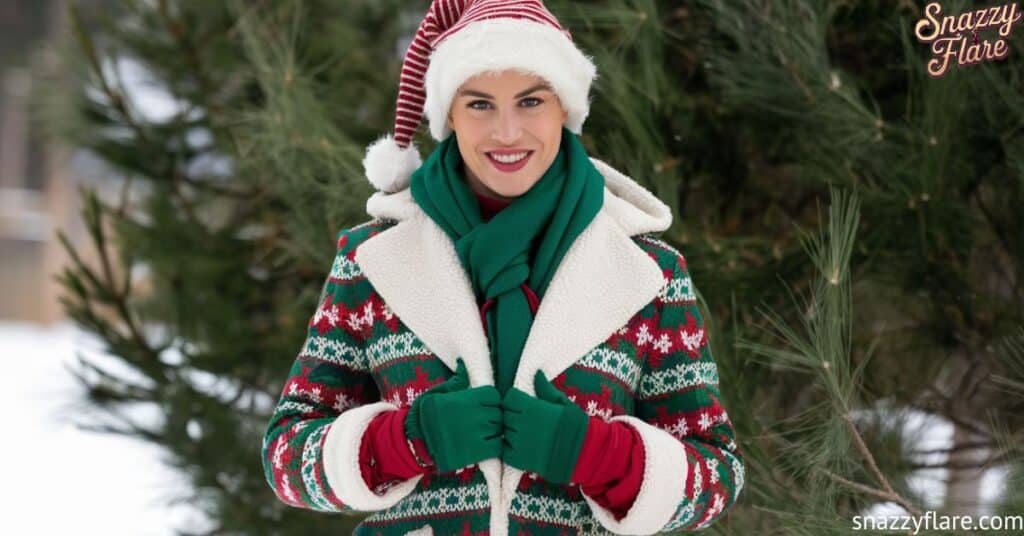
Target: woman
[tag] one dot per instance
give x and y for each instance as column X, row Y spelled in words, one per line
column 505, row 348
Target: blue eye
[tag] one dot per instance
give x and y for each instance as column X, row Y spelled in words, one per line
column 472, row 105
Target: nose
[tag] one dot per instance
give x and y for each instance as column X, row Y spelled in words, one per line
column 508, row 129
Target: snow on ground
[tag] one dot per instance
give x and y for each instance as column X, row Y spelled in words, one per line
column 926, row 432
column 65, row 480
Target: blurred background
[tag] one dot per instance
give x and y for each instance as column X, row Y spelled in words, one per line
column 173, row 173
column 68, row 474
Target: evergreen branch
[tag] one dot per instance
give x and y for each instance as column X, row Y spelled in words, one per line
column 1005, row 249
column 115, row 97
column 222, row 191
column 958, row 448
column 191, row 54
column 982, row 464
column 132, row 430
column 127, row 392
column 868, row 490
column 120, row 105
column 103, row 286
column 206, row 86
column 943, row 405
column 129, row 428
column 119, row 297
column 865, row 452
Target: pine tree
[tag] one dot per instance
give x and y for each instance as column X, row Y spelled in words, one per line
column 745, row 116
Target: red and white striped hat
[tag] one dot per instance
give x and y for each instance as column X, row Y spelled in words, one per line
column 459, row 39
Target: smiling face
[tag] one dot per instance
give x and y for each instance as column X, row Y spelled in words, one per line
column 509, row 128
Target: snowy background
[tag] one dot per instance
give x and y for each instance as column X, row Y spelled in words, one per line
column 65, row 480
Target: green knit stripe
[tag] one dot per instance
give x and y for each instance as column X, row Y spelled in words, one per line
column 344, row 269
column 406, row 378
column 418, row 373
column 621, row 365
column 679, row 377
column 517, row 525
column 678, row 290
column 657, row 246
column 396, row 346
column 596, row 393
column 300, row 446
column 313, row 478
column 718, row 485
column 686, row 514
column 736, row 474
column 436, row 503
column 545, row 508
column 331, row 350
column 588, row 527
column 548, row 509
column 475, row 522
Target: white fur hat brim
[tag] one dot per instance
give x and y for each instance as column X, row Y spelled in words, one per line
column 494, row 45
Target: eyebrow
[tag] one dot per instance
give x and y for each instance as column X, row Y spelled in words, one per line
column 472, row 93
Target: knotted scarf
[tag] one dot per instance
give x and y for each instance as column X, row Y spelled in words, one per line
column 522, row 244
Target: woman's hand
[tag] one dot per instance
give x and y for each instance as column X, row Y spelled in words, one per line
column 460, row 426
column 543, row 435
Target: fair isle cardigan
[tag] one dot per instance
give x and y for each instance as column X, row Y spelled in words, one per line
column 610, row 466
column 618, row 331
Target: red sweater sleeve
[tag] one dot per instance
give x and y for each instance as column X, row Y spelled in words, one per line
column 610, row 468
column 384, row 454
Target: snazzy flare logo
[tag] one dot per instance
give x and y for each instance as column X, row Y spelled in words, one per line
column 957, row 36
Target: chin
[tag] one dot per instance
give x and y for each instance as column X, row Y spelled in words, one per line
column 516, row 187
column 510, row 191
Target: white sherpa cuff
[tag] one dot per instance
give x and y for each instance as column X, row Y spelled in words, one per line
column 341, row 461
column 664, row 485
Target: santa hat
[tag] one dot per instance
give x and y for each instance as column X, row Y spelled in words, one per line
column 459, row 39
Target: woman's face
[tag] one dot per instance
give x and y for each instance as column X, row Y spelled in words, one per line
column 506, row 115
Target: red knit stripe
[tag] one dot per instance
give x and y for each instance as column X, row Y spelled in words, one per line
column 408, row 108
column 411, row 70
column 422, row 64
column 531, row 298
column 483, row 313
column 407, row 124
column 416, row 99
column 524, row 13
column 405, row 86
column 419, row 48
column 516, row 8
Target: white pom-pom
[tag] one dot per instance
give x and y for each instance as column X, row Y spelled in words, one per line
column 388, row 167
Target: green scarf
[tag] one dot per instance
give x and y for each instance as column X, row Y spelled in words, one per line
column 524, row 243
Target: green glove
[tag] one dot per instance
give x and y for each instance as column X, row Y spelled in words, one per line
column 460, row 426
column 543, row 435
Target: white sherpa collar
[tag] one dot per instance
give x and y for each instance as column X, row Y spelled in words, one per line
column 632, row 206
